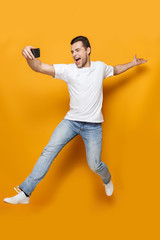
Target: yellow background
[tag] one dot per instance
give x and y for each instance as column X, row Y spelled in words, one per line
column 70, row 202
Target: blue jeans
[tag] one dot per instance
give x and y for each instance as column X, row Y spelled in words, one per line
column 91, row 134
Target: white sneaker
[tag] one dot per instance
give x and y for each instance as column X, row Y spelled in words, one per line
column 109, row 188
column 19, row 198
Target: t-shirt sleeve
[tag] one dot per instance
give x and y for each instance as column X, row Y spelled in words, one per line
column 108, row 71
column 61, row 71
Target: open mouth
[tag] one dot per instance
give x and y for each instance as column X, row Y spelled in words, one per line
column 78, row 60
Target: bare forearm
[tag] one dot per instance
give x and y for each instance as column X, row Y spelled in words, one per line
column 123, row 67
column 34, row 64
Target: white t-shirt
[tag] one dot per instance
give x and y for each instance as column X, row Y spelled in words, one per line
column 85, row 87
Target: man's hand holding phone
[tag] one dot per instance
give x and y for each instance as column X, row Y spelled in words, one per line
column 30, row 52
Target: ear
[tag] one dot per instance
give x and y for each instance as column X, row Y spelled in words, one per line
column 88, row 50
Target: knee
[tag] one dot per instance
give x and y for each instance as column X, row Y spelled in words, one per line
column 95, row 166
column 44, row 151
column 47, row 150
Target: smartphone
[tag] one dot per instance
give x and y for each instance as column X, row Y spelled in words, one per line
column 36, row 52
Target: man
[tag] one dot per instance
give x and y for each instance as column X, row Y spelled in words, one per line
column 84, row 79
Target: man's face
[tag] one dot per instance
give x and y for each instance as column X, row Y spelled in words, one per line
column 80, row 54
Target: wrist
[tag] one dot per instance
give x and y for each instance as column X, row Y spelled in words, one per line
column 133, row 63
column 34, row 64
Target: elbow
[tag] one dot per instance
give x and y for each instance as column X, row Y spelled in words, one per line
column 115, row 70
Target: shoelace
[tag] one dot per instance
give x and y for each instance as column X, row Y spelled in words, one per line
column 17, row 189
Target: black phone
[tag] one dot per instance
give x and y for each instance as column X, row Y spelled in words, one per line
column 36, row 52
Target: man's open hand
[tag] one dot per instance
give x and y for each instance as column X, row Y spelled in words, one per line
column 138, row 61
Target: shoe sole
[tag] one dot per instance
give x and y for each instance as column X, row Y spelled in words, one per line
column 16, row 203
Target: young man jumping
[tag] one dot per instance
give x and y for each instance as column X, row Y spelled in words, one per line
column 85, row 84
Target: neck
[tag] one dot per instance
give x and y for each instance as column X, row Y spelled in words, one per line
column 88, row 63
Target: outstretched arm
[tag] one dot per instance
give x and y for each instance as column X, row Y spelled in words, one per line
column 124, row 67
column 35, row 64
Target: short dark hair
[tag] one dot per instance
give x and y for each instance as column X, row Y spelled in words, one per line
column 83, row 39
